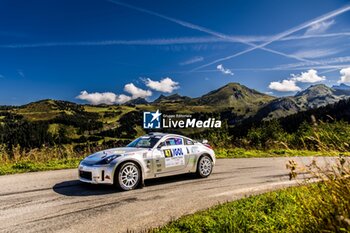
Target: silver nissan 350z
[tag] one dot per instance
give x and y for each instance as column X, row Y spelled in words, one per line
column 150, row 156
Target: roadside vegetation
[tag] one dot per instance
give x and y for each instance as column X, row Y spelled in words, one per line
column 309, row 207
column 322, row 207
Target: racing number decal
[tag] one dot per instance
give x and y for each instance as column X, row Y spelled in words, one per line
column 167, row 153
column 173, row 152
column 174, row 157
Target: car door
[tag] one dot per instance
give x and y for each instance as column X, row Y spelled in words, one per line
column 191, row 152
column 172, row 156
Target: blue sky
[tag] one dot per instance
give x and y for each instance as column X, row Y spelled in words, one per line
column 106, row 51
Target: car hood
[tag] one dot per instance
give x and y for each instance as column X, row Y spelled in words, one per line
column 95, row 157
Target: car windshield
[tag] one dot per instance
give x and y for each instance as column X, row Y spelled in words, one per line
column 145, row 142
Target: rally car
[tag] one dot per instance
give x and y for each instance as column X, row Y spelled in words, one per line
column 150, row 156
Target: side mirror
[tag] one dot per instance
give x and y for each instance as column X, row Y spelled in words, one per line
column 204, row 141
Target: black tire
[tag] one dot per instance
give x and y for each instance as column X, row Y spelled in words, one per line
column 204, row 167
column 127, row 177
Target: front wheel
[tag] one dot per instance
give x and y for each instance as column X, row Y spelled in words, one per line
column 204, row 166
column 128, row 176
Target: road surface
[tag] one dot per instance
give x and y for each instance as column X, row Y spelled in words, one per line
column 55, row 201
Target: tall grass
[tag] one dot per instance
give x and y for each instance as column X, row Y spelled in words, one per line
column 17, row 160
column 328, row 205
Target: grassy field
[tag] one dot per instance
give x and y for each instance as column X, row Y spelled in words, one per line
column 323, row 207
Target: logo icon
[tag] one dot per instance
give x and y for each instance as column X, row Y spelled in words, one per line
column 151, row 120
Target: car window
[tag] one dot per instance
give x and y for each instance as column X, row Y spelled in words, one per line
column 188, row 142
column 174, row 141
column 144, row 142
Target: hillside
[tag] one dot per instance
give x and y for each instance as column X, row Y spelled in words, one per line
column 240, row 98
column 313, row 97
column 175, row 98
column 62, row 122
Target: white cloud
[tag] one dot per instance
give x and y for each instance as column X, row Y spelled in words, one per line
column 121, row 99
column 192, row 60
column 98, row 98
column 319, row 27
column 308, row 77
column 166, row 85
column 224, row 70
column 112, row 98
column 288, row 85
column 136, row 92
column 284, row 86
column 345, row 75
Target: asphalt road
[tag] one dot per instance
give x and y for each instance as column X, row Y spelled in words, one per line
column 55, row 201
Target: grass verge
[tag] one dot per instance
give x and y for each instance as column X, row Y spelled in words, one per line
column 298, row 209
column 34, row 166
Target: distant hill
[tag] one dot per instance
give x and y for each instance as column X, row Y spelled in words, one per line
column 175, row 98
column 241, row 100
column 238, row 99
column 342, row 86
column 62, row 122
column 234, row 94
column 336, row 111
column 313, row 97
column 137, row 101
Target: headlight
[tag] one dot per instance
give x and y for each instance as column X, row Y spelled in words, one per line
column 107, row 159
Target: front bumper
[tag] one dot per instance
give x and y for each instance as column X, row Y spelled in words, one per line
column 95, row 174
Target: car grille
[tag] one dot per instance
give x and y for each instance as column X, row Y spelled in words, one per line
column 85, row 175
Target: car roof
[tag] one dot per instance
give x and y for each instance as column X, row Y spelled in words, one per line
column 165, row 134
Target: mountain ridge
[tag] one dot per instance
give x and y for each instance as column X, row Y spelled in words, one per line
column 241, row 100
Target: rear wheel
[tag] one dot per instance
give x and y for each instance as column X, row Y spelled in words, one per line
column 128, row 176
column 204, row 166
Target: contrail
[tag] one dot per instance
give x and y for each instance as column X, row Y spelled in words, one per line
column 172, row 41
column 205, row 30
column 283, row 34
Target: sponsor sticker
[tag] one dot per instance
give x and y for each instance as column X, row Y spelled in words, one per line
column 175, row 161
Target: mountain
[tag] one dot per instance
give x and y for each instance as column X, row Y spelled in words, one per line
column 136, row 101
column 237, row 101
column 175, row 98
column 342, row 89
column 342, row 86
column 313, row 97
column 240, row 98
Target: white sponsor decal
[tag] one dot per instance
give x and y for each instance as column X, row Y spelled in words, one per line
column 175, row 161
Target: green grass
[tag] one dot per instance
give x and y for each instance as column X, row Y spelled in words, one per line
column 30, row 166
column 251, row 153
column 296, row 209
